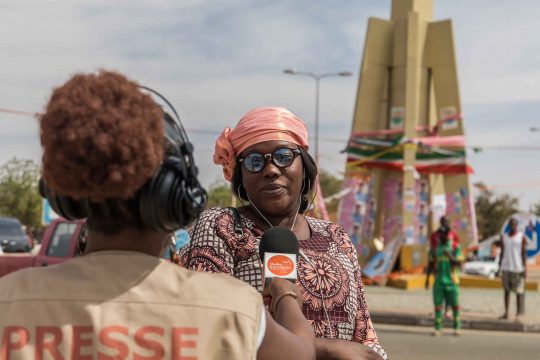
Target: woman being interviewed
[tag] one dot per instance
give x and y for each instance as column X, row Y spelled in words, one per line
column 265, row 158
column 113, row 156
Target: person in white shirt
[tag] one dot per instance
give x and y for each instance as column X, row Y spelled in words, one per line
column 512, row 264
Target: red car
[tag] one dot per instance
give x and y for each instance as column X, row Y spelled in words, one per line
column 58, row 245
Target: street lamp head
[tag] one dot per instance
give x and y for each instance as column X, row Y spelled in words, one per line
column 317, row 78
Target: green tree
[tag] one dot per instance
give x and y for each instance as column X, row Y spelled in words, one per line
column 492, row 211
column 19, row 195
column 219, row 194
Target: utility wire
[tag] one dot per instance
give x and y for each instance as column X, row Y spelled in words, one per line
column 475, row 148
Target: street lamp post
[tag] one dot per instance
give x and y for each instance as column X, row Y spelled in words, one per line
column 317, row 78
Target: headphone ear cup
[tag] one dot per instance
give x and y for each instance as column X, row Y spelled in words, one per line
column 147, row 202
column 178, row 204
column 71, row 208
column 186, row 201
column 166, row 203
column 196, row 199
column 159, row 207
column 65, row 206
column 53, row 200
column 169, row 219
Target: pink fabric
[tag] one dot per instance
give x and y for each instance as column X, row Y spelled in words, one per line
column 258, row 125
column 445, row 141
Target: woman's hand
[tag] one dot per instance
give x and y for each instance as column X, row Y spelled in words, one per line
column 276, row 290
column 288, row 334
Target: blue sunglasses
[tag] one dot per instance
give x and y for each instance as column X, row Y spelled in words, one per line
column 283, row 157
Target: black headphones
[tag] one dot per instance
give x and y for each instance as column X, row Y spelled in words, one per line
column 170, row 200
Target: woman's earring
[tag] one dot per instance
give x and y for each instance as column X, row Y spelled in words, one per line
column 238, row 192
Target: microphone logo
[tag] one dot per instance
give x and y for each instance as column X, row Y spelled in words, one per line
column 278, row 250
column 280, row 265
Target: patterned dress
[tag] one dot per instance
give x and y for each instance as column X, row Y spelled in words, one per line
column 334, row 301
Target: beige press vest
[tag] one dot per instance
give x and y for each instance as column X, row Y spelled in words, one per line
column 126, row 305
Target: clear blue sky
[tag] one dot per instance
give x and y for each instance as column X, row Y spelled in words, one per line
column 215, row 60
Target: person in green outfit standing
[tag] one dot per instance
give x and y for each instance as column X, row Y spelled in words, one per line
column 445, row 260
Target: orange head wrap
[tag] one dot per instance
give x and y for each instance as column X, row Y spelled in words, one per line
column 258, row 125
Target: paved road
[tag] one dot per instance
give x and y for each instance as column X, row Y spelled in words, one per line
column 416, row 343
column 484, row 302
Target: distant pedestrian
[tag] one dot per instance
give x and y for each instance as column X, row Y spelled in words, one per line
column 444, row 262
column 512, row 264
column 454, row 240
column 445, row 227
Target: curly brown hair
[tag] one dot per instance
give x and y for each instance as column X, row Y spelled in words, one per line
column 102, row 137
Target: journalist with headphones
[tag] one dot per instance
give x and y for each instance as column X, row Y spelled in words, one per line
column 112, row 155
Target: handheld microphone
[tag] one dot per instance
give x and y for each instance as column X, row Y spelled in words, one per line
column 279, row 252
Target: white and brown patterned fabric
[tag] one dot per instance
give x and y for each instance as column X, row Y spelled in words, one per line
column 330, row 282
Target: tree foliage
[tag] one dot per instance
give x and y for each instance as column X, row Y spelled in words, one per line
column 19, row 195
column 219, row 194
column 492, row 211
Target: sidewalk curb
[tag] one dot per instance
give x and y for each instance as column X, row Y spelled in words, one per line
column 396, row 318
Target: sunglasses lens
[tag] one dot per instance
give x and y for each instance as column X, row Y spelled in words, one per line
column 283, row 157
column 254, row 162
